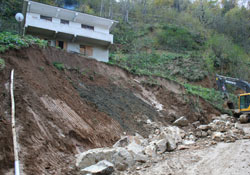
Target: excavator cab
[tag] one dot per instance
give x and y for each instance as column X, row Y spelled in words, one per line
column 244, row 102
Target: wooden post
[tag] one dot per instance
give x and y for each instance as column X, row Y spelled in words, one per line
column 17, row 169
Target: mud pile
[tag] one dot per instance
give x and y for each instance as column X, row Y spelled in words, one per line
column 87, row 105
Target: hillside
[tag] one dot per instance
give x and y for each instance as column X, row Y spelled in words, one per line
column 85, row 105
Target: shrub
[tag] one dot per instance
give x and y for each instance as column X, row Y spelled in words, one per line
column 179, row 38
column 59, row 66
column 14, row 41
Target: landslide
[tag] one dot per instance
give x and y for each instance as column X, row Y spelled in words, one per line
column 88, row 104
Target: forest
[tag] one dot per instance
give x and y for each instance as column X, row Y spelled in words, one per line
column 178, row 39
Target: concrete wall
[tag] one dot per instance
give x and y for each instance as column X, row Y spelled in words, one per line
column 101, row 54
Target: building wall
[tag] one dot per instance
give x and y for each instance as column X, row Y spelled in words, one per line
column 73, row 28
column 101, row 54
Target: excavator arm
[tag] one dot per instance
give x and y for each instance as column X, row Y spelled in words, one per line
column 222, row 81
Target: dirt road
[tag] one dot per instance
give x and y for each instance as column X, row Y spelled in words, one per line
column 220, row 159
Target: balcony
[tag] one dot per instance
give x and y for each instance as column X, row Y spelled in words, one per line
column 72, row 31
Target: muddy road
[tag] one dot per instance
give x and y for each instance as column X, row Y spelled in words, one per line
column 219, row 159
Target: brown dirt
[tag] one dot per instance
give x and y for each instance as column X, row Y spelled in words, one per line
column 87, row 105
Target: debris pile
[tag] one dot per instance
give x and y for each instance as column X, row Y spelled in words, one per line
column 223, row 128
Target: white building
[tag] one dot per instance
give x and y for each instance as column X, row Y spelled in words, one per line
column 69, row 30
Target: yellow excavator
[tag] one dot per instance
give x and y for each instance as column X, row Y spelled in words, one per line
column 243, row 99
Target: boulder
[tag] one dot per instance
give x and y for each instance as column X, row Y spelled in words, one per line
column 92, row 156
column 182, row 121
column 122, row 159
column 161, row 146
column 135, row 148
column 103, row 167
column 243, row 118
column 117, row 156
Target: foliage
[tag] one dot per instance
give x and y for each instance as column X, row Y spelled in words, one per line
column 166, row 64
column 211, row 95
column 2, row 64
column 59, row 66
column 14, row 41
column 175, row 37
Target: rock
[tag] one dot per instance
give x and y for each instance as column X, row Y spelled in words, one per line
column 196, row 124
column 92, row 156
column 118, row 156
column 182, row 121
column 122, row 142
column 122, row 159
column 243, row 118
column 161, row 146
column 217, row 136
column 204, row 134
column 135, row 148
column 171, row 144
column 140, row 158
column 101, row 168
column 182, row 147
column 204, row 127
column 198, row 133
column 150, row 150
column 171, row 115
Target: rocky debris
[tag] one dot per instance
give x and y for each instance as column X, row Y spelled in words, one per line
column 182, row 121
column 222, row 128
column 103, row 167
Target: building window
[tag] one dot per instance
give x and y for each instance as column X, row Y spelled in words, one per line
column 61, row 44
column 86, row 50
column 47, row 18
column 64, row 21
column 84, row 26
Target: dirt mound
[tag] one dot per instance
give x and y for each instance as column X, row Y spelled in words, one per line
column 87, row 105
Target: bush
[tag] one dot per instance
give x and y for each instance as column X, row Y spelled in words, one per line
column 14, row 41
column 59, row 66
column 178, row 38
column 2, row 64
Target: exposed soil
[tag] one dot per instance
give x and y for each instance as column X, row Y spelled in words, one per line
column 87, row 105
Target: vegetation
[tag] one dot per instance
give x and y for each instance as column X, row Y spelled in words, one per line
column 14, row 41
column 2, row 64
column 59, row 66
column 211, row 95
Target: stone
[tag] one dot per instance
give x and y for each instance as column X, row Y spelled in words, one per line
column 92, row 156
column 161, row 146
column 124, row 141
column 150, row 150
column 140, row 158
column 182, row 121
column 217, row 136
column 182, row 147
column 101, row 168
column 204, row 127
column 122, row 159
column 135, row 148
column 243, row 118
column 196, row 124
column 204, row 134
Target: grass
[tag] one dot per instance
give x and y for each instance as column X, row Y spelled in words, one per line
column 166, row 64
column 59, row 66
column 14, row 41
column 2, row 64
column 210, row 95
